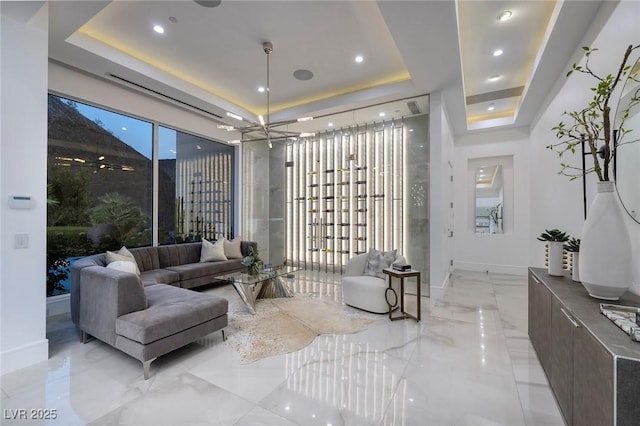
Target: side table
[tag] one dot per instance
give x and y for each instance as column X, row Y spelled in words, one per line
column 401, row 275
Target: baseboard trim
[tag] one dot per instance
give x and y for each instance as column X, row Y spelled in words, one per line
column 488, row 267
column 57, row 305
column 24, row 356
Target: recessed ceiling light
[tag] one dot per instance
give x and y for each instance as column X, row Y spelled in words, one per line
column 382, row 114
column 498, row 52
column 260, row 89
column 494, row 77
column 159, row 29
column 504, row 16
column 411, row 130
column 173, row 19
column 491, row 108
column 359, row 59
column 124, row 128
column 330, row 124
column 305, row 118
column 232, row 115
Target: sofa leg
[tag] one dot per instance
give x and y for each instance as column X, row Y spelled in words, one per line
column 83, row 337
column 224, row 337
column 146, row 366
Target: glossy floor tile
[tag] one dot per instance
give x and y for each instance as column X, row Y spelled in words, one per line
column 468, row 362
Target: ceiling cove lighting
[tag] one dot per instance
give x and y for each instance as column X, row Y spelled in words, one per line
column 359, row 59
column 498, row 52
column 505, row 16
column 232, row 115
column 159, row 29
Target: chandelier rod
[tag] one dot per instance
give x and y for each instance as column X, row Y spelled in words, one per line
column 268, row 48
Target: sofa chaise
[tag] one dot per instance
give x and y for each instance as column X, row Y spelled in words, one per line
column 149, row 315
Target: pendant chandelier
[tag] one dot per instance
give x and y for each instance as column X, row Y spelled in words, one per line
column 265, row 129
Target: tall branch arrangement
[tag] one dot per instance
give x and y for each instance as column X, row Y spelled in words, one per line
column 593, row 123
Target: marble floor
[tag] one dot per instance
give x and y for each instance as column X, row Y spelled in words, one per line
column 468, row 362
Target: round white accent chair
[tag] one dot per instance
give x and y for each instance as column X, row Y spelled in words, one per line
column 364, row 291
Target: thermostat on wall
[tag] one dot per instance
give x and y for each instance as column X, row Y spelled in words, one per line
column 21, row 202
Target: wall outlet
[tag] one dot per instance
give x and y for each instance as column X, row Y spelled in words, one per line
column 21, row 241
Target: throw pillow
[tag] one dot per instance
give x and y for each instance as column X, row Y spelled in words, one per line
column 377, row 261
column 131, row 267
column 232, row 248
column 122, row 255
column 123, row 265
column 212, row 252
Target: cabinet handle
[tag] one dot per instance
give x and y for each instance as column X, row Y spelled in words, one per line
column 536, row 279
column 570, row 318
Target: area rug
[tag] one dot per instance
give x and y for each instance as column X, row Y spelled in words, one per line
column 284, row 325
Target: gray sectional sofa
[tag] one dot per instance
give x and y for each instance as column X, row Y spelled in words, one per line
column 152, row 314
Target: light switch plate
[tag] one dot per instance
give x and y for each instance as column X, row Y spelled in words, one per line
column 21, row 241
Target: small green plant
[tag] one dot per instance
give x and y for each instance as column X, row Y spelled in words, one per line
column 554, row 235
column 253, row 262
column 573, row 245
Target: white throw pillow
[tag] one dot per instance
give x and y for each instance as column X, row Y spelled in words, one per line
column 124, row 266
column 232, row 248
column 122, row 255
column 377, row 261
column 212, row 252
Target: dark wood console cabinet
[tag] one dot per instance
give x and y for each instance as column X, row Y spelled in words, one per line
column 592, row 366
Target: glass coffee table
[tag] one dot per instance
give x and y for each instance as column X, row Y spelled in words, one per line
column 265, row 285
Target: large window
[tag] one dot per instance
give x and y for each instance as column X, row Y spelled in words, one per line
column 195, row 188
column 100, row 186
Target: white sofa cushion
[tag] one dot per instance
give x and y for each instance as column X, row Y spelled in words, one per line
column 212, row 252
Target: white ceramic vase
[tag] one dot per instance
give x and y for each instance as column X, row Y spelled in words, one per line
column 556, row 254
column 575, row 274
column 605, row 248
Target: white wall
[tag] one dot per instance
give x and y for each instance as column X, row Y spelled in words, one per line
column 104, row 93
column 503, row 253
column 440, row 194
column 23, row 171
column 557, row 202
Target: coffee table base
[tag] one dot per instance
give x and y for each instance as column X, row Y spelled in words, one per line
column 275, row 287
column 267, row 289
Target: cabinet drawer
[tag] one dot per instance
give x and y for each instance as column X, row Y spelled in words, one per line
column 563, row 327
column 592, row 381
column 540, row 320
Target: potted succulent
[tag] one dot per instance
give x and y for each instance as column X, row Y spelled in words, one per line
column 252, row 262
column 605, row 266
column 573, row 247
column 555, row 239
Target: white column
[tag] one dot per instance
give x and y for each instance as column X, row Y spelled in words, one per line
column 23, row 171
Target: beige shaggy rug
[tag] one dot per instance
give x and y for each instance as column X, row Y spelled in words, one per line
column 284, row 325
